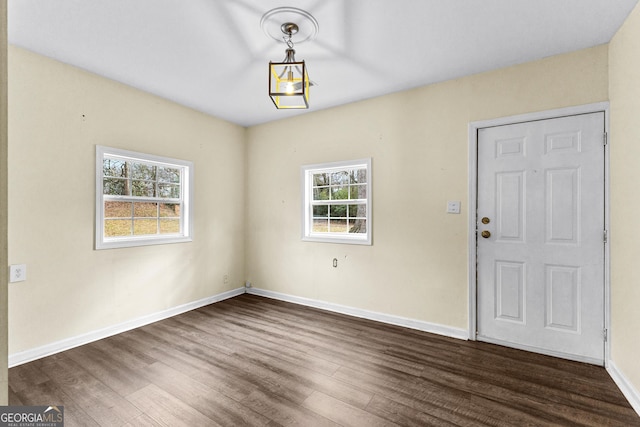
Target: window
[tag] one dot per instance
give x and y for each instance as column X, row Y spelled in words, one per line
column 337, row 202
column 141, row 199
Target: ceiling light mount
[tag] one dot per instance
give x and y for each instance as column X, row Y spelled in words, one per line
column 273, row 21
column 289, row 28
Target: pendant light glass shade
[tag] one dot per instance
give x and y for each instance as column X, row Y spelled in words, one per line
column 289, row 83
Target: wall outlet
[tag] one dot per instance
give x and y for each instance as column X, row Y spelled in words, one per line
column 17, row 273
column 225, row 279
column 453, row 207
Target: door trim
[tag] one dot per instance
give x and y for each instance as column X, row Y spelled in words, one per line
column 473, row 198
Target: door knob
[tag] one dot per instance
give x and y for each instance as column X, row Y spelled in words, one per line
column 485, row 220
column 486, row 234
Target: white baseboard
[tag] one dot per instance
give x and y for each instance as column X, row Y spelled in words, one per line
column 629, row 391
column 365, row 314
column 19, row 358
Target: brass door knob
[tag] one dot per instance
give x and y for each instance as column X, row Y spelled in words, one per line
column 486, row 234
column 485, row 220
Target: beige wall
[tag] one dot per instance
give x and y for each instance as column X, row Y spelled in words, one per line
column 58, row 114
column 624, row 92
column 417, row 266
column 4, row 383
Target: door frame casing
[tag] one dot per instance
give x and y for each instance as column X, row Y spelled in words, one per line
column 474, row 127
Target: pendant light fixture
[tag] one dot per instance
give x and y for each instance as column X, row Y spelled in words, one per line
column 289, row 79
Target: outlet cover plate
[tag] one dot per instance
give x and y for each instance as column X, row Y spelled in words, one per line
column 17, row 273
column 453, row 207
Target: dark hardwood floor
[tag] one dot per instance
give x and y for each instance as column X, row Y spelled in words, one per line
column 255, row 361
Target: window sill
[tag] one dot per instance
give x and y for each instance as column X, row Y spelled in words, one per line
column 338, row 239
column 142, row 241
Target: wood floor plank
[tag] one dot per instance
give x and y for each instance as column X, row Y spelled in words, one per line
column 284, row 411
column 242, row 342
column 14, row 399
column 205, row 399
column 142, row 421
column 408, row 416
column 162, row 350
column 296, row 368
column 343, row 413
column 89, row 393
column 485, row 362
column 49, row 393
column 256, row 371
column 26, row 375
column 192, row 365
column 534, row 400
column 261, row 362
column 108, row 368
column 443, row 402
column 166, row 410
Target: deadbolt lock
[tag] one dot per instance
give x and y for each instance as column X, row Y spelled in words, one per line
column 485, row 220
column 486, row 234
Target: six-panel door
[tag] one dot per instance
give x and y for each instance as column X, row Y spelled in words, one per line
column 541, row 269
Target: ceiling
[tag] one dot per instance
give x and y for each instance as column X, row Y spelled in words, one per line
column 212, row 55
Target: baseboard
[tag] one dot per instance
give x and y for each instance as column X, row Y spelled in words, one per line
column 69, row 343
column 365, row 314
column 629, row 391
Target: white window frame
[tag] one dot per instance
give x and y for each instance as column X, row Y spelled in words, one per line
column 307, row 173
column 185, row 200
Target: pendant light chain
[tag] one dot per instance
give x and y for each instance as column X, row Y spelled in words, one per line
column 288, row 41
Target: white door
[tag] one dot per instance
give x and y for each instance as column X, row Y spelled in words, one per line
column 540, row 244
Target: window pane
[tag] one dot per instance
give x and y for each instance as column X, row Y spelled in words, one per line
column 338, row 225
column 143, row 188
column 320, row 179
column 358, row 176
column 169, row 226
column 142, row 171
column 148, row 210
column 117, row 227
column 115, row 187
column 358, row 226
column 340, row 178
column 169, row 191
column 358, row 191
column 321, row 193
column 115, row 168
column 145, row 226
column 320, row 226
column 359, row 211
column 170, row 210
column 168, row 174
column 338, row 211
column 117, row 209
column 320, row 211
column 339, row 193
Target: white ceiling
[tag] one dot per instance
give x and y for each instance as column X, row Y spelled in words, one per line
column 212, row 55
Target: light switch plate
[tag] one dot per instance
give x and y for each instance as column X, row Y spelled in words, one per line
column 17, row 273
column 453, row 207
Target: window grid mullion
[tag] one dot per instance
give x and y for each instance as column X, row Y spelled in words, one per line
column 139, row 199
column 339, row 202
